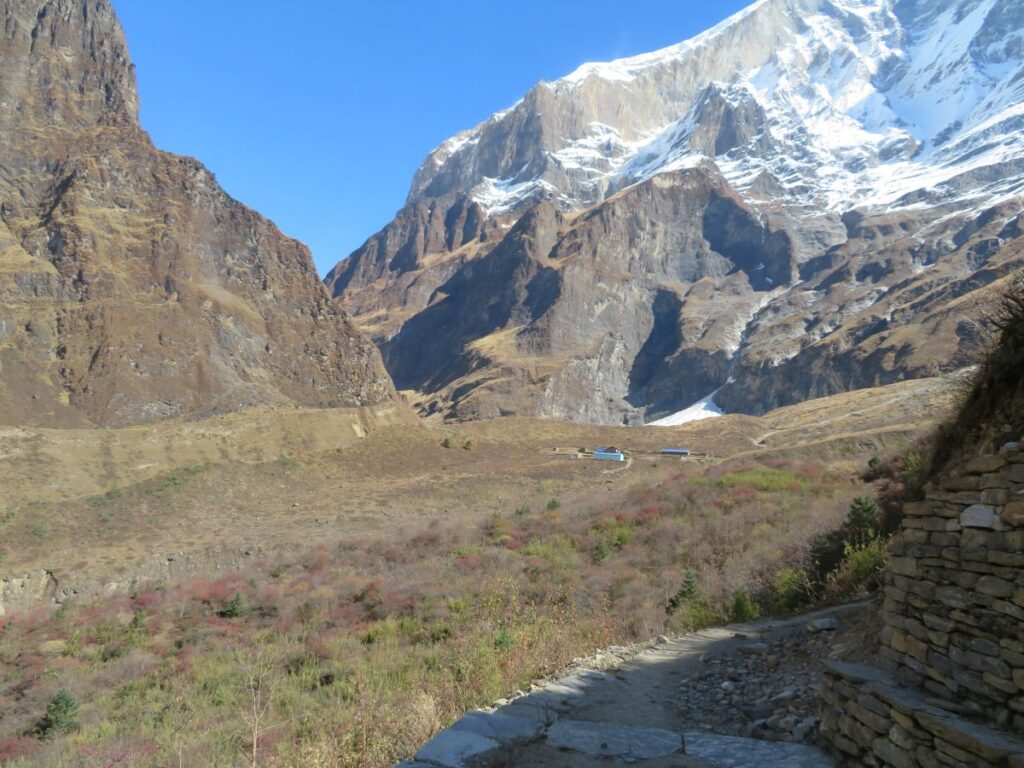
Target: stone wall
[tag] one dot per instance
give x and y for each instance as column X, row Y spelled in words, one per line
column 950, row 690
column 871, row 718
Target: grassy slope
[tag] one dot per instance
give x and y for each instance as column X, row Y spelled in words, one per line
column 485, row 568
column 369, row 647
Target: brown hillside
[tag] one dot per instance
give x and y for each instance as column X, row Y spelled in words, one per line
column 132, row 287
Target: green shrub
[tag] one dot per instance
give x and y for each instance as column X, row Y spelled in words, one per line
column 860, row 527
column 554, row 548
column 111, row 651
column 689, row 590
column 235, row 607
column 553, row 505
column 693, row 615
column 503, row 640
column 601, row 551
column 790, row 589
column 613, row 534
column 763, row 479
column 862, row 519
column 137, row 629
column 743, row 608
column 381, row 631
column 866, row 561
column 61, row 715
column 73, row 645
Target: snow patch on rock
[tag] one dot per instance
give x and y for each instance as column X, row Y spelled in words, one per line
column 705, row 408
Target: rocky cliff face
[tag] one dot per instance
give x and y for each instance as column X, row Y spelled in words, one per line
column 131, row 286
column 814, row 196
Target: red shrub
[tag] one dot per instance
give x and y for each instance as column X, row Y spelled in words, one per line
column 426, row 539
column 513, row 541
column 468, row 562
column 118, row 755
column 184, row 659
column 218, row 591
column 647, row 515
column 288, row 623
column 319, row 559
column 743, row 494
column 808, row 472
column 13, row 747
column 397, row 553
column 148, row 599
column 369, row 594
column 342, row 615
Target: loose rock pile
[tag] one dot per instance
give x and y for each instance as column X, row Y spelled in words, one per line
column 766, row 690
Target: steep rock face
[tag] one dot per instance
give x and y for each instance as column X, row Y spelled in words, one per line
column 131, row 286
column 813, row 196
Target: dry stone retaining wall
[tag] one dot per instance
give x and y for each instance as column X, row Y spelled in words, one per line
column 952, row 640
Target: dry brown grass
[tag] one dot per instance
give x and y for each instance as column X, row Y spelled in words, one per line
column 369, row 647
column 446, row 578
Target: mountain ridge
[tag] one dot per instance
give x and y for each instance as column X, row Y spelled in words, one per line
column 133, row 287
column 862, row 215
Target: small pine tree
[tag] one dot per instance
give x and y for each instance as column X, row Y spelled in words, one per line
column 503, row 641
column 688, row 591
column 234, row 608
column 61, row 714
column 862, row 520
column 690, row 584
column 743, row 608
column 137, row 629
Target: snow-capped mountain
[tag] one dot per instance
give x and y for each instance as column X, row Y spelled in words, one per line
column 837, row 103
column 859, row 143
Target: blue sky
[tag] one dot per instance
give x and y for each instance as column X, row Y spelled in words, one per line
column 317, row 114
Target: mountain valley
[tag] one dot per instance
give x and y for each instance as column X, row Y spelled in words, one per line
column 676, row 348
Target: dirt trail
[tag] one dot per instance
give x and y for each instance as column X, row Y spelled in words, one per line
column 629, row 713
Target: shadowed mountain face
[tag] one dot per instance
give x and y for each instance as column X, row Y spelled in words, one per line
column 812, row 197
column 131, row 286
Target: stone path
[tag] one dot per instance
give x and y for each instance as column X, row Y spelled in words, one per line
column 627, row 715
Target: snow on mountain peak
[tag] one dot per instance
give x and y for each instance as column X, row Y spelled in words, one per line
column 841, row 103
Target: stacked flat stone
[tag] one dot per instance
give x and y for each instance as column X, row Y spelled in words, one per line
column 953, row 627
column 872, row 719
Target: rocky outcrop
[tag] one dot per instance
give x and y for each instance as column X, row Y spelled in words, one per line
column 810, row 198
column 132, row 287
column 562, row 312
column 23, row 593
column 46, row 589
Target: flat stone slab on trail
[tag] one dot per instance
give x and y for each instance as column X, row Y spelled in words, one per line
column 612, row 740
column 502, row 728
column 737, row 752
column 451, row 748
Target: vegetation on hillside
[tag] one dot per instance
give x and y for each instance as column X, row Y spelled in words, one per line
column 992, row 409
column 356, row 655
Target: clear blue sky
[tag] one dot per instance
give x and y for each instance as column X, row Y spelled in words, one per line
column 317, row 114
